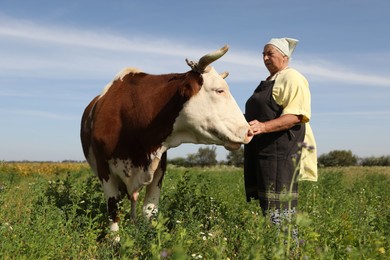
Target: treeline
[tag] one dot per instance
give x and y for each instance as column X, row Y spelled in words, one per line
column 347, row 158
column 206, row 156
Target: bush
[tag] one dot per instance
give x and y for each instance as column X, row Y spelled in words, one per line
column 236, row 157
column 204, row 157
column 376, row 161
column 338, row 158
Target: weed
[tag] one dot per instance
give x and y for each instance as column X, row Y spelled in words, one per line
column 203, row 214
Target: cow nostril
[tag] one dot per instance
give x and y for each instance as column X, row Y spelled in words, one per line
column 249, row 136
column 249, row 133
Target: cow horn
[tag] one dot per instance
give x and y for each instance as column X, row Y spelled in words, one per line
column 207, row 59
column 224, row 74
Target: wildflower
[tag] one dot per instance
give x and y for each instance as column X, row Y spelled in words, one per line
column 382, row 250
column 178, row 221
column 164, row 253
column 294, row 156
column 197, row 256
column 9, row 226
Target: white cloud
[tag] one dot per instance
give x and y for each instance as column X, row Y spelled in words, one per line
column 82, row 53
column 354, row 113
column 37, row 113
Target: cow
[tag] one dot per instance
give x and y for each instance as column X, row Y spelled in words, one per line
column 127, row 130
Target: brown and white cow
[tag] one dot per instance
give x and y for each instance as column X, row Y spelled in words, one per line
column 127, row 129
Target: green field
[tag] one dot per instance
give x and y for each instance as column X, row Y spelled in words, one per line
column 54, row 211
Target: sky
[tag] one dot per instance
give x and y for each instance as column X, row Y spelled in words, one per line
column 55, row 56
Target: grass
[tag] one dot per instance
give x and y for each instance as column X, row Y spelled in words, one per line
column 58, row 211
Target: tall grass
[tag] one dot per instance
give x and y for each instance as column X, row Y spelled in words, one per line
column 203, row 215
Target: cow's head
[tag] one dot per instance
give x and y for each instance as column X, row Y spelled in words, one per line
column 211, row 116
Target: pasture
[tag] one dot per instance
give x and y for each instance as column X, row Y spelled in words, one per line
column 57, row 211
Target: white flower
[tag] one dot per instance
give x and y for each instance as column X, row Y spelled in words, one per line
column 9, row 226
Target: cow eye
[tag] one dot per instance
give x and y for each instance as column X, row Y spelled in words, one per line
column 220, row 90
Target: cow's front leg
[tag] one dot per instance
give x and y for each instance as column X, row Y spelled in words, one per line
column 152, row 195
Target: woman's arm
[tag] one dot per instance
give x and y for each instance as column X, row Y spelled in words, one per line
column 278, row 124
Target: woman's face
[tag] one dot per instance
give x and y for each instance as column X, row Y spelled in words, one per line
column 273, row 59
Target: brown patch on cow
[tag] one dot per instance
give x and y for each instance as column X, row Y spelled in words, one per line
column 85, row 132
column 136, row 114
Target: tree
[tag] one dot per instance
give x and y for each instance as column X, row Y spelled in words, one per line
column 236, row 157
column 178, row 161
column 205, row 156
column 376, row 161
column 338, row 158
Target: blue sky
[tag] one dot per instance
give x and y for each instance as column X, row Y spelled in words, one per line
column 55, row 56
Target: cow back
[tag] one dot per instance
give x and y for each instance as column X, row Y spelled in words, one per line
column 136, row 114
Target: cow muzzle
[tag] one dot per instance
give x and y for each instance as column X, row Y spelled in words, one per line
column 232, row 146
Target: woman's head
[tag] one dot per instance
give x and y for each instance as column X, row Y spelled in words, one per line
column 277, row 53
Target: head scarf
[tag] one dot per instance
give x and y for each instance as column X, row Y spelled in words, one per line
column 285, row 45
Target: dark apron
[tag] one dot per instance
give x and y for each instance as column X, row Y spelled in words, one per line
column 268, row 164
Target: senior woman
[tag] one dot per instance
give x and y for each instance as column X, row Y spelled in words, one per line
column 283, row 146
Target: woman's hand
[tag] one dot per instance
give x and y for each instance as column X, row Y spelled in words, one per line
column 257, row 127
column 278, row 124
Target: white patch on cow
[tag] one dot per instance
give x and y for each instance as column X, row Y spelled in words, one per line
column 92, row 160
column 114, row 226
column 105, row 89
column 126, row 172
column 135, row 178
column 120, row 76
column 212, row 116
column 110, row 187
column 150, row 210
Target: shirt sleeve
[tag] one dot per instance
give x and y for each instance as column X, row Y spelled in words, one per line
column 291, row 91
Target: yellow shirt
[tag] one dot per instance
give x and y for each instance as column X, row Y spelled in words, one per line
column 291, row 91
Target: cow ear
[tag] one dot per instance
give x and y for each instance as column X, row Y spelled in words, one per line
column 191, row 85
